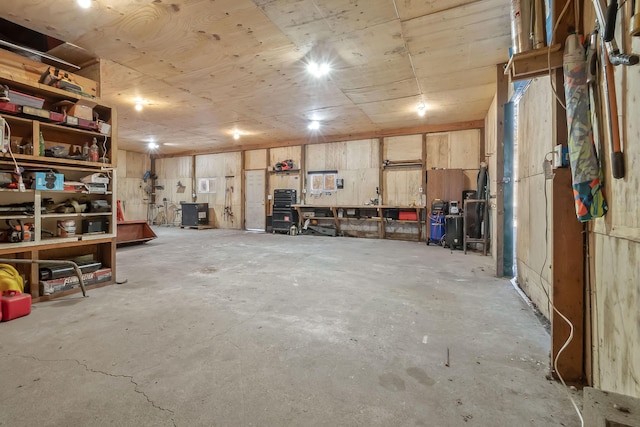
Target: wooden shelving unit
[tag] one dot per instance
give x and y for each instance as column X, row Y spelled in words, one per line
column 362, row 215
column 46, row 242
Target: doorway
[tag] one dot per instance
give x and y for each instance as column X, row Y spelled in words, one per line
column 255, row 214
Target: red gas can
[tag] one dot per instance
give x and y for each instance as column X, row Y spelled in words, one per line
column 13, row 304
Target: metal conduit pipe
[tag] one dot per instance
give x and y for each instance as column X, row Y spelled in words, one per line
column 49, row 261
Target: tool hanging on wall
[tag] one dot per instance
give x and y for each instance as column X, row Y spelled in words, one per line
column 608, row 25
column 611, row 110
column 228, row 199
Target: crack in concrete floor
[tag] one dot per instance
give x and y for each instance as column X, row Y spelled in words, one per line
column 97, row 371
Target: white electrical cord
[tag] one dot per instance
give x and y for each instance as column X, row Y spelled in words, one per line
column 18, row 172
column 552, row 305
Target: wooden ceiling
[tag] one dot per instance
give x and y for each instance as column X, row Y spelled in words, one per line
column 207, row 67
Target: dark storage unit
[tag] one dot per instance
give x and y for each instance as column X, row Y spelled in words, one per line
column 453, row 231
column 284, row 216
column 194, row 214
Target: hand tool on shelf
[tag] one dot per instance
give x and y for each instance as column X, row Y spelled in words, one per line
column 607, row 24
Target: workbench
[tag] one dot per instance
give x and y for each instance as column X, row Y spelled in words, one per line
column 338, row 216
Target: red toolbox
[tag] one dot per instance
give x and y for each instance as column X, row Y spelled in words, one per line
column 13, row 304
column 408, row 216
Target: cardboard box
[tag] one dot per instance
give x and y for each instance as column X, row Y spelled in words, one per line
column 49, row 181
column 48, row 287
column 83, row 109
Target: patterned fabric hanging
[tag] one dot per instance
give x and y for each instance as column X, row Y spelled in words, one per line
column 585, row 167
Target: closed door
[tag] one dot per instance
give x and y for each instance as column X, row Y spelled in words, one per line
column 255, row 214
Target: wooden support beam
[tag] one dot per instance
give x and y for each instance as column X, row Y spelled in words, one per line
column 502, row 99
column 567, row 287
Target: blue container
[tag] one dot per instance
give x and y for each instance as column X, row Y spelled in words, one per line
column 436, row 227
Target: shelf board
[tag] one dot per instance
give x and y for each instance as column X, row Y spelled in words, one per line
column 57, row 240
column 287, row 171
column 534, row 63
column 28, row 86
column 15, row 119
column 96, row 236
column 50, row 162
column 359, row 219
column 72, row 291
column 402, row 221
column 59, row 215
column 72, row 129
column 88, row 214
column 5, row 217
column 15, row 190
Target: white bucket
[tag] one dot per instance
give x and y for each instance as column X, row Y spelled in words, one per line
column 66, row 228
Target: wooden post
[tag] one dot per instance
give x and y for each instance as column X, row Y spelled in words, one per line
column 567, row 287
column 381, row 230
column 243, row 194
column 498, row 237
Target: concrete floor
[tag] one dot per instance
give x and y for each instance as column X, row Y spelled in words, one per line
column 227, row 328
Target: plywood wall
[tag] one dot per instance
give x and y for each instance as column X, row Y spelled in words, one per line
column 491, row 145
column 456, row 150
column 356, row 163
column 615, row 280
column 131, row 187
column 226, row 169
column 533, row 251
column 291, row 180
column 255, row 159
column 403, row 148
column 171, row 172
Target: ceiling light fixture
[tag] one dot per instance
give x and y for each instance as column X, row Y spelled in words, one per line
column 314, row 125
column 236, row 134
column 85, row 4
column 152, row 145
column 138, row 107
column 422, row 109
column 318, row 70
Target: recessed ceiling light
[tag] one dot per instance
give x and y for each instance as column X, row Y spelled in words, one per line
column 85, row 4
column 314, row 125
column 138, row 107
column 236, row 134
column 152, row 146
column 422, row 109
column 318, row 70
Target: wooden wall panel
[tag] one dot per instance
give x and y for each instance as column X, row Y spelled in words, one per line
column 535, row 136
column 616, row 317
column 402, row 186
column 130, row 191
column 356, row 163
column 170, row 172
column 616, row 288
column 221, row 166
column 464, row 149
column 490, row 147
column 255, row 159
column 399, row 148
column 438, row 150
column 281, row 154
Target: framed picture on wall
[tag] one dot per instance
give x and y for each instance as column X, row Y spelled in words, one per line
column 330, row 181
column 316, row 181
column 206, row 185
